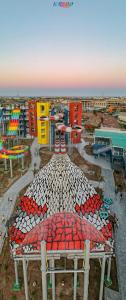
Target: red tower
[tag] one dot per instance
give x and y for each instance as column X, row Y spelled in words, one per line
column 32, row 116
column 75, row 119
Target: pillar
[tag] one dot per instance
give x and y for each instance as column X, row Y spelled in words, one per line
column 75, row 279
column 50, row 267
column 43, row 269
column 25, row 278
column 22, row 163
column 53, row 280
column 16, row 272
column 49, row 279
column 108, row 280
column 86, row 269
column 109, row 268
column 5, row 164
column 102, row 278
column 11, row 169
column 16, row 286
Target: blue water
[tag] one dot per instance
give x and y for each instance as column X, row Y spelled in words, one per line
column 118, row 138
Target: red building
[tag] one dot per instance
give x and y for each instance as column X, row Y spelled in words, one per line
column 75, row 118
column 32, row 116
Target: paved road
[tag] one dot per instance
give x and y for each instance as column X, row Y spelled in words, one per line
column 6, row 207
column 120, row 240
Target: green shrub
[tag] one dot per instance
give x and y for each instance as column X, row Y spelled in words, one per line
column 14, row 297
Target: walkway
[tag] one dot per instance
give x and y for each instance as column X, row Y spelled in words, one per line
column 118, row 207
column 120, row 240
column 7, row 207
column 101, row 162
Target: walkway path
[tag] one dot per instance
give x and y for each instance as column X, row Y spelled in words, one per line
column 120, row 240
column 6, row 207
column 118, row 207
column 101, row 162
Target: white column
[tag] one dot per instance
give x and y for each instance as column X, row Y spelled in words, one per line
column 50, row 267
column 109, row 268
column 43, row 269
column 11, row 169
column 86, row 269
column 16, row 272
column 102, row 278
column 53, row 280
column 75, row 279
column 25, row 278
column 5, row 164
column 22, row 163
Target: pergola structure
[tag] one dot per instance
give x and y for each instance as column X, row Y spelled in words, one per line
column 63, row 235
column 59, row 216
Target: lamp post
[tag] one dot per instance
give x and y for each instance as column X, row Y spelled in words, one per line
column 43, row 270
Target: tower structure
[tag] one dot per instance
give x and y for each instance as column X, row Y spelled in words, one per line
column 75, row 119
column 32, row 116
column 43, row 110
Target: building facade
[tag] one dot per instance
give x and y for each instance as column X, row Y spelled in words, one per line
column 75, row 119
column 32, row 117
column 43, row 110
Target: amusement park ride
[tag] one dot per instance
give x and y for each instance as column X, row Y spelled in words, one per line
column 15, row 152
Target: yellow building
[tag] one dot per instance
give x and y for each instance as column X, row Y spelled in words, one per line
column 43, row 125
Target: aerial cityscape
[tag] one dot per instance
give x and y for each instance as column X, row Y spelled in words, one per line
column 63, row 150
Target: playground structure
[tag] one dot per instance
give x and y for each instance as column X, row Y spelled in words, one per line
column 59, row 216
column 15, row 152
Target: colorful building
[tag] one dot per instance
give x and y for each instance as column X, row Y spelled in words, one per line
column 32, row 117
column 23, row 121
column 43, row 110
column 75, row 119
column 6, row 115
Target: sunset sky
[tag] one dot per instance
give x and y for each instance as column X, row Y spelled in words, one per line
column 46, row 50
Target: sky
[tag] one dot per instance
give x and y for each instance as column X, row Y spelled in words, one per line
column 53, row 51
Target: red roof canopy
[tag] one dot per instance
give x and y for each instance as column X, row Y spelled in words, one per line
column 62, row 231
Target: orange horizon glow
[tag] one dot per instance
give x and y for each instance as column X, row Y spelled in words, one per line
column 62, row 81
column 61, row 76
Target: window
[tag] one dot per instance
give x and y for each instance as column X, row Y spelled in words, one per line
column 76, row 116
column 76, row 108
column 42, row 130
column 42, row 108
